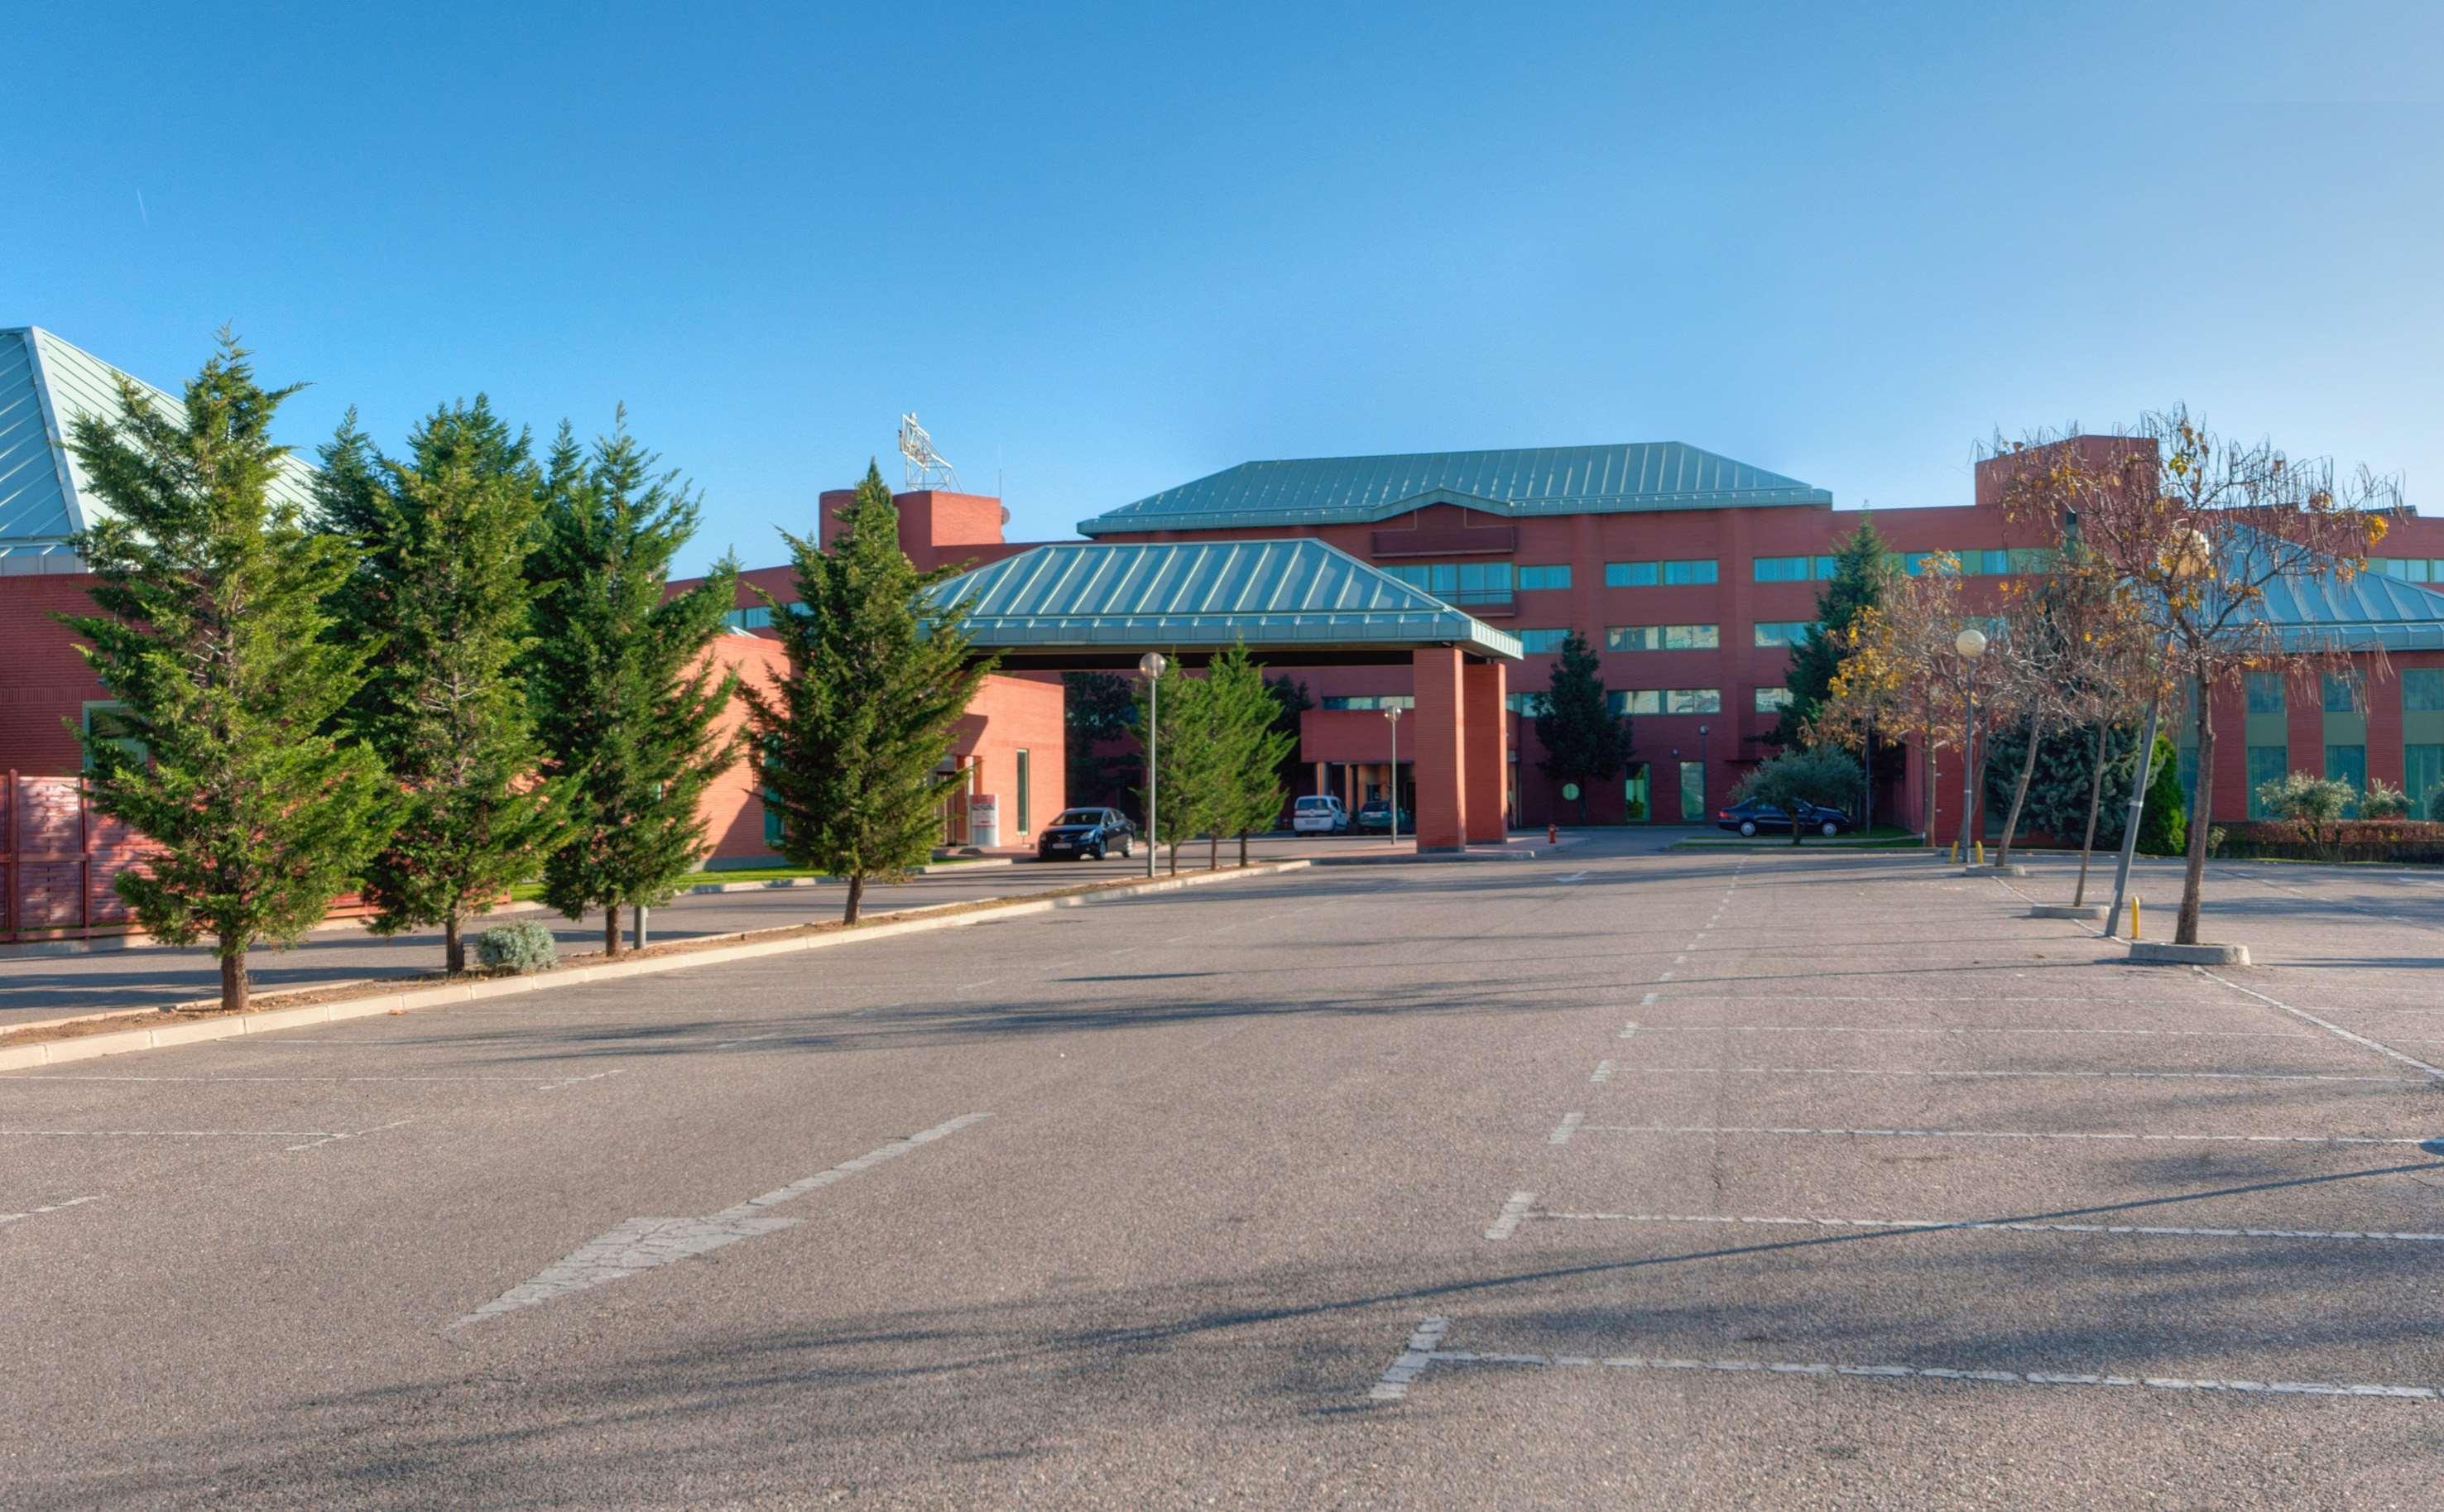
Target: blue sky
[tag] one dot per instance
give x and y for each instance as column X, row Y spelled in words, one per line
column 1104, row 253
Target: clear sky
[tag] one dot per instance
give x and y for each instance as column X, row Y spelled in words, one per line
column 1100, row 252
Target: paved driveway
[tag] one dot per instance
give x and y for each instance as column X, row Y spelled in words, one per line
column 1614, row 1179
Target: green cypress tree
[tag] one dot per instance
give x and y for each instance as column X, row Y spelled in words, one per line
column 1247, row 716
column 214, row 634
column 441, row 604
column 880, row 676
column 1584, row 741
column 626, row 701
column 1187, row 761
column 1861, row 571
column 2164, row 822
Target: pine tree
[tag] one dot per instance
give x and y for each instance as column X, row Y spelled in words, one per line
column 1861, row 570
column 625, row 698
column 213, row 633
column 440, row 603
column 1247, row 714
column 849, row 747
column 1187, row 764
column 1584, row 741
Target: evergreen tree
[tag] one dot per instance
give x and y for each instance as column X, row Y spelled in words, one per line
column 1584, row 741
column 625, row 699
column 848, row 747
column 1861, row 570
column 2163, row 824
column 1246, row 713
column 440, row 604
column 213, row 633
column 1187, row 765
column 1097, row 708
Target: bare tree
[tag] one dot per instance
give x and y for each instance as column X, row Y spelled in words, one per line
column 2200, row 528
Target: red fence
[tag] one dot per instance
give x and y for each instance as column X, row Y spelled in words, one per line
column 58, row 858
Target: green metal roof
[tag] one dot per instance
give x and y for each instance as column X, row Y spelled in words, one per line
column 1644, row 476
column 1299, row 595
column 2322, row 611
column 45, row 497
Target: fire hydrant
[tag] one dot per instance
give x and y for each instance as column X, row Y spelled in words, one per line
column 1552, row 832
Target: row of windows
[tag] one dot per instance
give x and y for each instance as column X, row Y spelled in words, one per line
column 2422, row 689
column 1767, row 633
column 1659, row 574
column 1495, row 582
column 1662, row 701
column 1460, row 583
column 2410, row 569
column 1370, row 701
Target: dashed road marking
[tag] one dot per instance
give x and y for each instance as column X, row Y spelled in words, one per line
column 1568, row 1126
column 357, row 1134
column 1990, row 1134
column 751, row 1039
column 1648, row 1001
column 1601, row 1073
column 1512, row 1211
column 1850, row 1028
column 1937, row 1225
column 1628, row 1031
column 1393, row 1383
column 570, row 1082
column 1574, row 877
column 2119, row 1075
column 524, row 1082
column 78, row 1201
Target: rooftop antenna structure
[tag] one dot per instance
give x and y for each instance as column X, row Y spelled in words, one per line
column 925, row 468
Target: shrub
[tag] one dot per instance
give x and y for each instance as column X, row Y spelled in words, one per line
column 1826, row 776
column 2383, row 800
column 518, row 948
column 2313, row 803
column 2413, row 841
column 2435, row 805
column 2165, row 827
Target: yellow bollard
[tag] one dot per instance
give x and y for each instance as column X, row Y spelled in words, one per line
column 1981, row 853
column 2134, row 918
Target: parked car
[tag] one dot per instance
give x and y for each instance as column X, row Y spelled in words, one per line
column 1320, row 815
column 1077, row 834
column 1375, row 817
column 1755, row 817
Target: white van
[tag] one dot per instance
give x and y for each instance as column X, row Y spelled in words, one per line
column 1319, row 816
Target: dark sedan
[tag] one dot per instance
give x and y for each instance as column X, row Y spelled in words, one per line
column 1755, row 817
column 1079, row 834
column 1375, row 819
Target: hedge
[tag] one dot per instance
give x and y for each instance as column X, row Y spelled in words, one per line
column 2355, row 839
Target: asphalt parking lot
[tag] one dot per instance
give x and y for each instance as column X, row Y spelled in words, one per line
column 1613, row 1177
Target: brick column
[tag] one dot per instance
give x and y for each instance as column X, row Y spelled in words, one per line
column 1439, row 757
column 1486, row 737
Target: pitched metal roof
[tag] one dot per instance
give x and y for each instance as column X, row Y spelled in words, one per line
column 45, row 495
column 1205, row 594
column 2324, row 609
column 1644, row 476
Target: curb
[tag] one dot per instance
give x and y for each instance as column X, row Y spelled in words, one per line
column 2149, row 952
column 2068, row 911
column 55, row 1051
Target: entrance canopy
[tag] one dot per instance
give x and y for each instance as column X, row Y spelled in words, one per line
column 1081, row 607
column 1078, row 605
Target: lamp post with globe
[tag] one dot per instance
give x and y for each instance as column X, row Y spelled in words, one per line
column 1971, row 644
column 1152, row 665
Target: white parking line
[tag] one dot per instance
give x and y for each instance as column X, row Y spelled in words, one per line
column 1601, row 1073
column 1915, row 1225
column 359, row 1133
column 1562, row 1131
column 1393, row 1383
column 1981, row 1133
column 1512, row 1211
column 1628, row 1031
column 1851, row 1028
column 2117, row 1076
column 2359, row 1040
column 78, row 1201
column 524, row 1082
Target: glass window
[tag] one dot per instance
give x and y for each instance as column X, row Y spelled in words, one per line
column 2410, row 569
column 1823, row 568
column 2035, row 559
column 1692, row 637
column 1631, row 575
column 1528, row 704
column 2266, row 764
column 1635, row 701
column 1026, row 788
column 1536, row 642
column 1781, row 569
column 1772, row 700
column 2422, row 773
column 2349, row 762
column 2185, row 771
column 1633, row 792
column 1365, row 701
column 1553, row 577
column 1693, row 791
column 1783, row 632
column 2266, row 693
column 112, row 722
column 2343, row 694
column 1694, row 571
column 1915, row 562
column 1459, row 583
column 1663, row 637
column 1693, row 701
column 2422, row 687
column 1633, row 637
column 755, row 618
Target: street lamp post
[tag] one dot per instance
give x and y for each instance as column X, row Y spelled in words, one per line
column 1392, row 786
column 1151, row 664
column 1971, row 644
column 2187, row 556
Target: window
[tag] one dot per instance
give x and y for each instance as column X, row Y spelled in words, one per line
column 1663, row 637
column 2349, row 762
column 2422, row 773
column 1529, row 705
column 1558, row 576
column 1781, row 569
column 2343, row 694
column 1693, row 700
column 1459, row 583
column 1915, row 562
column 111, row 722
column 2266, row 693
column 2035, row 559
column 1772, row 700
column 2422, row 689
column 2409, row 570
column 2265, row 765
column 1783, row 632
column 755, row 618
column 1537, row 642
column 1693, row 791
column 1633, row 792
column 1635, row 702
column 1370, row 701
column 1823, row 568
column 1026, row 788
column 1648, row 574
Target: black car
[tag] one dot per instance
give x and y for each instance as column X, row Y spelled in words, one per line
column 1375, row 817
column 1076, row 834
column 1756, row 816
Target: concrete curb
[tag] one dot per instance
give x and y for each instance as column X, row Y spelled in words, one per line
column 982, row 863
column 2014, row 869
column 2152, row 952
column 2068, row 911
column 55, row 1051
